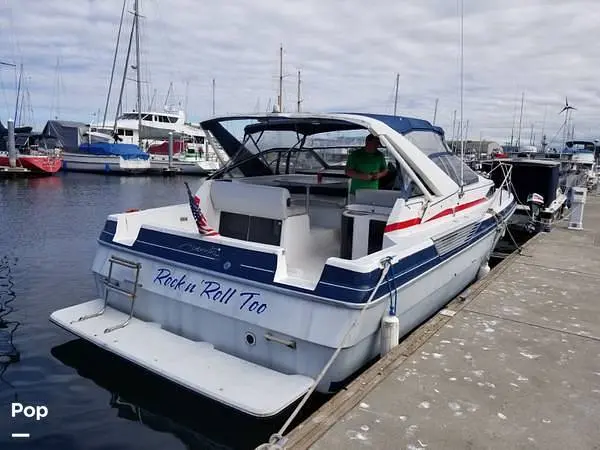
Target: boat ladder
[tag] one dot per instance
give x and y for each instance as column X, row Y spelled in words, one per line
column 113, row 285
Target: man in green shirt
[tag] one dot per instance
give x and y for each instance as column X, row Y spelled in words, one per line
column 366, row 166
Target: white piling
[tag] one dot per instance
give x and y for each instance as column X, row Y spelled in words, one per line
column 12, row 149
column 170, row 150
column 577, row 205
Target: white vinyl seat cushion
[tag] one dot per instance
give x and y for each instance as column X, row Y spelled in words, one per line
column 256, row 200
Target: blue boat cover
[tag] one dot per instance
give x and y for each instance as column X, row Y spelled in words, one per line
column 402, row 124
column 126, row 151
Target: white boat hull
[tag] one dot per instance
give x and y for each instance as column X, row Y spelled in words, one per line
column 220, row 311
column 79, row 162
column 184, row 167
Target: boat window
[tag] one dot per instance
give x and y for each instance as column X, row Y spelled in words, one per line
column 450, row 163
column 303, row 160
column 147, row 117
column 433, row 145
column 120, row 131
column 427, row 141
column 128, row 132
column 172, row 119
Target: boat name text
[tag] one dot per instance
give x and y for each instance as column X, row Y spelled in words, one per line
column 201, row 250
column 211, row 290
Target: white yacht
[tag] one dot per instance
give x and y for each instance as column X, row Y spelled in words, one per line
column 196, row 156
column 247, row 289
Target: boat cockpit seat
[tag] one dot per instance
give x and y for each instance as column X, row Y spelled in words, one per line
column 252, row 212
column 376, row 197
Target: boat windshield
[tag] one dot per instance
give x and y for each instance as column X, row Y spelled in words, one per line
column 434, row 146
column 292, row 151
column 581, row 145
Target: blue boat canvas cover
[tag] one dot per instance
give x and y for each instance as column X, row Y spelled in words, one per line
column 126, row 151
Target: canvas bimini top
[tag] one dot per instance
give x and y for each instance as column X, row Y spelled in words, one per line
column 321, row 123
column 416, row 142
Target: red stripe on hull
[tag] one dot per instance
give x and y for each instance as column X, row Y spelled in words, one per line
column 401, row 225
column 446, row 212
column 458, row 208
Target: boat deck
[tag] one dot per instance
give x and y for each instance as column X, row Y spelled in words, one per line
column 513, row 363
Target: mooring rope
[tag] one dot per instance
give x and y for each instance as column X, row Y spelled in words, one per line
column 277, row 440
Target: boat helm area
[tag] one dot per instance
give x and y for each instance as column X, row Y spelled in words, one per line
column 284, row 186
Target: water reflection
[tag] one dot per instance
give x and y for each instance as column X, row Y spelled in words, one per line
column 53, row 182
column 8, row 352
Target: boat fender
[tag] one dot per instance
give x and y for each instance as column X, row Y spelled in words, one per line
column 390, row 333
column 130, row 210
column 483, row 271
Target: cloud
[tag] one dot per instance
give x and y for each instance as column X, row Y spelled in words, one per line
column 348, row 52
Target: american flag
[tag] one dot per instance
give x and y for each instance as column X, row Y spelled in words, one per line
column 201, row 222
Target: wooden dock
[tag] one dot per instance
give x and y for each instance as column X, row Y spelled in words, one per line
column 8, row 172
column 512, row 363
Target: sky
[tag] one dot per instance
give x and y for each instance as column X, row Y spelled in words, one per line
column 348, row 53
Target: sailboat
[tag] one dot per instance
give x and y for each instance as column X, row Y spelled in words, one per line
column 151, row 129
column 89, row 150
column 33, row 151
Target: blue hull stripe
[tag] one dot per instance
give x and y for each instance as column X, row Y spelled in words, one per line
column 335, row 284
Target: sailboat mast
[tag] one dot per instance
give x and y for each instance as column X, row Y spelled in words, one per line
column 531, row 136
column 453, row 131
column 543, row 129
column 280, row 98
column 435, row 110
column 112, row 73
column 213, row 97
column 396, row 94
column 299, row 101
column 120, row 103
column 520, row 120
column 137, row 67
column 18, row 92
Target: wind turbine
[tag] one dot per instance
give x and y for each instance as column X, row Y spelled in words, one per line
column 567, row 107
column 567, row 110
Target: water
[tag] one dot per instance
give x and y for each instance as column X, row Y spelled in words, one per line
column 48, row 232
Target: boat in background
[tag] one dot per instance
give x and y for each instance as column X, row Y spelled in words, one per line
column 185, row 159
column 541, row 201
column 35, row 152
column 248, row 290
column 86, row 151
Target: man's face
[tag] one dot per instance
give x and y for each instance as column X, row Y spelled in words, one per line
column 373, row 145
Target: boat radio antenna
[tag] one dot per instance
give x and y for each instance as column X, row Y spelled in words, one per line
column 396, row 95
column 462, row 142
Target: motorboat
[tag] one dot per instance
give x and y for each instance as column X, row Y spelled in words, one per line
column 183, row 159
column 541, row 200
column 265, row 282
